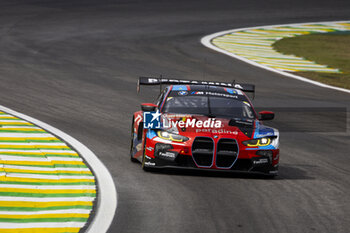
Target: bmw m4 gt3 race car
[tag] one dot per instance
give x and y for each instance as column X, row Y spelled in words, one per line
column 203, row 125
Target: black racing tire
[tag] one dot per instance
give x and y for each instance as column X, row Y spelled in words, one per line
column 132, row 159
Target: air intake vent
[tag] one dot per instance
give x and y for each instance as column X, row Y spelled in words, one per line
column 203, row 151
column 227, row 152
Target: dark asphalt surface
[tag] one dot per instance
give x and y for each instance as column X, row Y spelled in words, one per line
column 74, row 65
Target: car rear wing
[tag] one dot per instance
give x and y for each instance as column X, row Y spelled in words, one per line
column 165, row 81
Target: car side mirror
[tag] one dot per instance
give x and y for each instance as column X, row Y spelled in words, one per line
column 148, row 107
column 266, row 115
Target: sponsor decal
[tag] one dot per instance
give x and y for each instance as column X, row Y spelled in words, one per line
column 178, row 115
column 150, row 164
column 247, row 122
column 182, row 93
column 167, row 154
column 150, row 148
column 197, row 93
column 228, row 95
column 264, row 135
column 218, row 131
column 164, row 80
column 152, row 80
column 261, row 161
column 221, row 94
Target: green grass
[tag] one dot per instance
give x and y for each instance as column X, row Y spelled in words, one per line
column 331, row 49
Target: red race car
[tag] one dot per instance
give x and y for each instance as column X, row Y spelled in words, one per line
column 203, row 125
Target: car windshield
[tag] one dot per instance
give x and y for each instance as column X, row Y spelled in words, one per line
column 209, row 106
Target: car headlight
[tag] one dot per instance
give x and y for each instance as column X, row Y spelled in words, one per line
column 257, row 142
column 171, row 136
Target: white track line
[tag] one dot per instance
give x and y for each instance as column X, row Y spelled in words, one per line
column 107, row 193
column 206, row 41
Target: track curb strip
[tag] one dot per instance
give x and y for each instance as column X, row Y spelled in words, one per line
column 107, row 193
column 207, row 41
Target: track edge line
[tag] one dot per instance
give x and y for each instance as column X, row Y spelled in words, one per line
column 107, row 199
column 206, row 41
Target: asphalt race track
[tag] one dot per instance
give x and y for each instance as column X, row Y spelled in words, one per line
column 74, row 65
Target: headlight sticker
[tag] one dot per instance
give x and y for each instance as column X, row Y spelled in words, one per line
column 260, row 142
column 171, row 136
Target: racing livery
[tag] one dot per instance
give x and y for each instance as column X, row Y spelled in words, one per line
column 203, row 125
